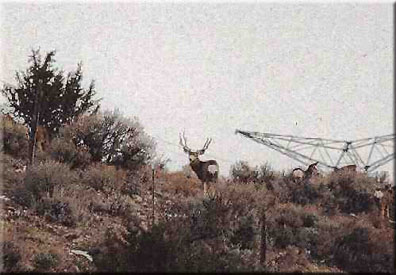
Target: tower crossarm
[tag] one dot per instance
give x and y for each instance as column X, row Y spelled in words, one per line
column 346, row 151
column 272, row 141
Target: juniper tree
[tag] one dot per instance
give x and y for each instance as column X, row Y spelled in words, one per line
column 60, row 99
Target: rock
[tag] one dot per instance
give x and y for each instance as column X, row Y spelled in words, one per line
column 4, row 198
column 82, row 253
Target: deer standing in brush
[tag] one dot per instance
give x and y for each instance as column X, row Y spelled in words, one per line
column 207, row 171
column 299, row 174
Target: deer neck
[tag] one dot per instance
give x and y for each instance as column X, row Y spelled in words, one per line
column 195, row 165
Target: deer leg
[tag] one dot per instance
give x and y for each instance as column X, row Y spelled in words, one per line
column 205, row 189
column 387, row 211
column 212, row 190
column 382, row 210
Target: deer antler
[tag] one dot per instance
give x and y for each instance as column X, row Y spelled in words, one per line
column 184, row 145
column 206, row 145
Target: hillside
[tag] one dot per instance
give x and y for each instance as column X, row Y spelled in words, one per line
column 107, row 213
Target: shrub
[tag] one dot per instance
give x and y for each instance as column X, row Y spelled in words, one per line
column 265, row 173
column 309, row 220
column 135, row 180
column 166, row 247
column 208, row 234
column 242, row 172
column 104, row 178
column 41, row 180
column 11, row 177
column 179, row 185
column 294, row 225
column 45, row 261
column 44, row 177
column 11, row 257
column 15, row 140
column 306, row 193
column 112, row 139
column 57, row 211
column 352, row 193
column 244, row 233
column 64, row 150
column 114, row 204
column 357, row 252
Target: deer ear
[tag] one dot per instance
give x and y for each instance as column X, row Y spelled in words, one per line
column 186, row 150
column 201, row 152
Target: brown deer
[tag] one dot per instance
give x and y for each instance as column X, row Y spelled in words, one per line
column 42, row 138
column 385, row 199
column 348, row 169
column 299, row 174
column 207, row 171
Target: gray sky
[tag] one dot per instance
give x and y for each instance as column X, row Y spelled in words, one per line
column 312, row 70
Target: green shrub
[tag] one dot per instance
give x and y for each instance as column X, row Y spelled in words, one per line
column 304, row 193
column 41, row 179
column 309, row 220
column 241, row 172
column 208, row 235
column 293, row 225
column 166, row 247
column 244, row 234
column 265, row 173
column 11, row 178
column 64, row 150
column 11, row 257
column 104, row 178
column 112, row 139
column 357, row 252
column 15, row 140
column 45, row 261
column 56, row 211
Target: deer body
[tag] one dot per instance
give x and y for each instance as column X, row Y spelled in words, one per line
column 385, row 197
column 299, row 174
column 42, row 138
column 206, row 171
column 349, row 169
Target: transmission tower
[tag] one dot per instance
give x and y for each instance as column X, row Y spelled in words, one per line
column 329, row 153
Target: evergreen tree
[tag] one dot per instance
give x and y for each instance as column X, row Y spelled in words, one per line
column 59, row 99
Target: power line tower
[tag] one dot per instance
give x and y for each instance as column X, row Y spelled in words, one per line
column 329, row 153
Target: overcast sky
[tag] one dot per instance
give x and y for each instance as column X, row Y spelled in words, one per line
column 311, row 70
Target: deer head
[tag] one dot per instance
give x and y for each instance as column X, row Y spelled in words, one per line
column 312, row 170
column 193, row 155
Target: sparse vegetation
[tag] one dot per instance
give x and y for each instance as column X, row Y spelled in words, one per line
column 92, row 190
column 45, row 261
column 308, row 225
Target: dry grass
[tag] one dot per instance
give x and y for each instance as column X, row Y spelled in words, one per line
column 111, row 210
column 179, row 185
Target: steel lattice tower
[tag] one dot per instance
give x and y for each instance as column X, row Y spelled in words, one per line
column 329, row 153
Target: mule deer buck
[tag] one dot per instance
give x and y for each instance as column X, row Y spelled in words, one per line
column 299, row 174
column 207, row 171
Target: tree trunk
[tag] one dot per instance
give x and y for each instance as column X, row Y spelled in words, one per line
column 34, row 123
